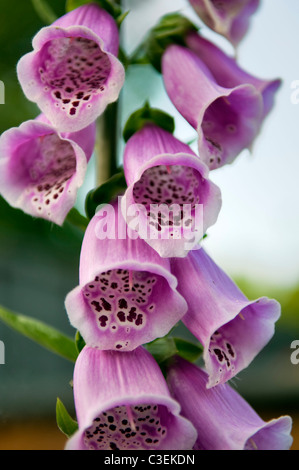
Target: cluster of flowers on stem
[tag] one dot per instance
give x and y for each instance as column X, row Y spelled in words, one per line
column 133, row 290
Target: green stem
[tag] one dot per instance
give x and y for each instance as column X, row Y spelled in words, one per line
column 107, row 141
column 106, row 145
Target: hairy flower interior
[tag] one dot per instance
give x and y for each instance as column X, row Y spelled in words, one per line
column 114, row 429
column 46, row 164
column 162, row 188
column 72, row 70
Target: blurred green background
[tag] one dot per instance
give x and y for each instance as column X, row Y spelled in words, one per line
column 39, row 266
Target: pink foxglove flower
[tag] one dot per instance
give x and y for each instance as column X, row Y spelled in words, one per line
column 41, row 170
column 73, row 72
column 230, row 18
column 126, row 296
column 164, row 173
column 222, row 418
column 123, row 403
column 227, row 72
column 231, row 328
column 227, row 118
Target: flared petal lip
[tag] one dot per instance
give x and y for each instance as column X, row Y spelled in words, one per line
column 226, row 92
column 10, row 141
column 97, row 19
column 33, row 88
column 83, row 319
column 240, row 306
column 186, row 159
column 76, row 441
column 286, row 421
column 183, row 159
column 256, row 122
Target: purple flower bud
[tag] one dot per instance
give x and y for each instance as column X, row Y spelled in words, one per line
column 123, row 403
column 227, row 118
column 222, row 418
column 231, row 328
column 73, row 73
column 127, row 295
column 230, row 18
column 41, row 170
column 170, row 183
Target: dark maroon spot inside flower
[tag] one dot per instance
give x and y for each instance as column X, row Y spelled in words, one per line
column 121, row 316
column 230, row 350
column 106, row 305
column 122, row 303
column 113, row 446
column 103, row 320
column 219, row 355
column 96, row 305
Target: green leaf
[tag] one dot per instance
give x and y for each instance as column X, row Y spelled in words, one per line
column 77, row 220
column 105, row 193
column 162, row 349
column 121, row 17
column 44, row 11
column 65, row 422
column 189, row 351
column 80, row 343
column 171, row 29
column 73, row 4
column 146, row 115
column 45, row 335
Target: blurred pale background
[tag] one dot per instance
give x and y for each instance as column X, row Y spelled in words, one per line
column 255, row 239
